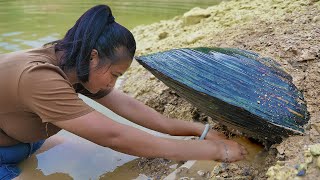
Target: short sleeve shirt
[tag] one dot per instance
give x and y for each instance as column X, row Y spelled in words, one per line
column 34, row 91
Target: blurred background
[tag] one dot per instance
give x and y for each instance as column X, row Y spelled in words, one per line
column 29, row 23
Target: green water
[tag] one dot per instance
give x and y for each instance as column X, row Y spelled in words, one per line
column 29, row 23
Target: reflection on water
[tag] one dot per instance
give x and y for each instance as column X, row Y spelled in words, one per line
column 66, row 155
column 70, row 157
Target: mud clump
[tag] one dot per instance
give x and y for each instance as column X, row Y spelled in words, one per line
column 286, row 31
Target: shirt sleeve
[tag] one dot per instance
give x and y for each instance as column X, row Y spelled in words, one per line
column 44, row 89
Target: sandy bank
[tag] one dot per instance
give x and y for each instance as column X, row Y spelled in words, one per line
column 286, row 30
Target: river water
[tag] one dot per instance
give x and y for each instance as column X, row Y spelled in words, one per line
column 25, row 24
column 30, row 24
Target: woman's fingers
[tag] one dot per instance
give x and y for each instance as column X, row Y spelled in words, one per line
column 244, row 151
column 232, row 151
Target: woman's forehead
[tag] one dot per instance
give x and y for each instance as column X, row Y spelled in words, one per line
column 123, row 64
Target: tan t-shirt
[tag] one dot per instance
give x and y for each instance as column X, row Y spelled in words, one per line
column 34, row 91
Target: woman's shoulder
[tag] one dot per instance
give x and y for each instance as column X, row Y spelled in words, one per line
column 32, row 63
column 42, row 60
column 46, row 53
column 43, row 54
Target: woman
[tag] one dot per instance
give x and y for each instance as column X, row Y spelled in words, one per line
column 41, row 98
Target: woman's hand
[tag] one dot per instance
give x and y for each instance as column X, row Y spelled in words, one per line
column 231, row 151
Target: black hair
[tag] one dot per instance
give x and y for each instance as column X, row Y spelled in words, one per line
column 95, row 29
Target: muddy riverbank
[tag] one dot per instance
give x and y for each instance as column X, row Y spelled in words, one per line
column 287, row 31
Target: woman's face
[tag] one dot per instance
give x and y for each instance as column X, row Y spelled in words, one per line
column 105, row 77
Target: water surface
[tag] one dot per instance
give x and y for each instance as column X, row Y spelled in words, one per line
column 26, row 24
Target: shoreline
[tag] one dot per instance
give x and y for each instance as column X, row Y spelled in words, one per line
column 287, row 32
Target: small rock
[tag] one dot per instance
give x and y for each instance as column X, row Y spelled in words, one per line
column 162, row 35
column 280, row 149
column 152, row 77
column 246, row 172
column 241, row 178
column 179, row 170
column 233, row 167
column 315, row 149
column 194, row 38
column 306, row 55
column 300, row 167
column 301, row 172
column 225, row 174
column 316, row 19
column 224, row 166
column 318, row 162
column 281, row 163
column 308, row 159
column 184, row 178
column 194, row 16
column 201, row 173
column 174, row 166
column 216, row 170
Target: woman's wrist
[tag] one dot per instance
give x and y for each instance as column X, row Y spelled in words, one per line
column 197, row 128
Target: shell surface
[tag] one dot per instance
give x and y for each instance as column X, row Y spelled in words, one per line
column 237, row 88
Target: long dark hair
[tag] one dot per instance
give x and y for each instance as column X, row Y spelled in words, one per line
column 95, row 29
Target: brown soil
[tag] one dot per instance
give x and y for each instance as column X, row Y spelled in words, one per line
column 287, row 31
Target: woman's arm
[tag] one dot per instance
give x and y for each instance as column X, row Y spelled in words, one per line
column 101, row 130
column 143, row 115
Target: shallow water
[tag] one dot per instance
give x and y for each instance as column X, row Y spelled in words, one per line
column 67, row 156
column 256, row 157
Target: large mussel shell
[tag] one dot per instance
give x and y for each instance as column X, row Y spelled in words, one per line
column 237, row 88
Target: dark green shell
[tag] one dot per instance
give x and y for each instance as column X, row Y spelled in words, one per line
column 237, row 88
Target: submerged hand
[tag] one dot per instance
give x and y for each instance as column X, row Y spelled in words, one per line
column 231, row 151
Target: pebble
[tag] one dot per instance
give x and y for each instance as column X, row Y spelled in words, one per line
column 318, row 162
column 201, row 173
column 194, row 16
column 301, row 172
column 306, row 55
column 315, row 149
column 194, row 38
column 308, row 157
column 281, row 163
column 316, row 19
column 162, row 35
column 233, row 167
column 224, row 174
column 184, row 178
column 300, row 167
column 246, row 172
column 217, row 169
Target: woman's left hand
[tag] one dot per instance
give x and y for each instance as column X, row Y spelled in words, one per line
column 215, row 135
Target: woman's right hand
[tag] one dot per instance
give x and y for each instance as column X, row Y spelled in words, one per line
column 230, row 151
